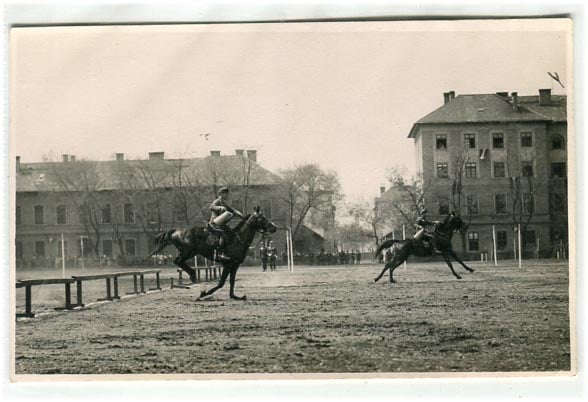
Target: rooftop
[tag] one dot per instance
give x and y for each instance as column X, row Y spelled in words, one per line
column 494, row 108
column 225, row 170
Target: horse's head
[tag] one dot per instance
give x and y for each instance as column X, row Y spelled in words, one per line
column 454, row 222
column 260, row 223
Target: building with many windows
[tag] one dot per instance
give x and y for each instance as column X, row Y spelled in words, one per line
column 499, row 160
column 109, row 211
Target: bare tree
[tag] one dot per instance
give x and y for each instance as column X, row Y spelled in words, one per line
column 81, row 182
column 374, row 217
column 308, row 188
column 523, row 185
column 410, row 199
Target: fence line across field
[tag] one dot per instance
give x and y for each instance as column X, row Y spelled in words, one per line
column 112, row 291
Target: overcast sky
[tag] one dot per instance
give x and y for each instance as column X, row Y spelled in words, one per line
column 344, row 95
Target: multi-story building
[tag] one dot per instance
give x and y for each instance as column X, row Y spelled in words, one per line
column 112, row 209
column 499, row 160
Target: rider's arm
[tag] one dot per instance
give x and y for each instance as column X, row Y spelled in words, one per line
column 217, row 207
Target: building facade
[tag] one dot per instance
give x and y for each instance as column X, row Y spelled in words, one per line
column 108, row 212
column 500, row 161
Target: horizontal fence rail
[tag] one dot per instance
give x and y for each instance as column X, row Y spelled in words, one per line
column 112, row 292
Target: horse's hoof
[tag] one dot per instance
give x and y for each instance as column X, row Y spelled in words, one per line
column 472, row 270
column 458, row 277
column 202, row 294
column 239, row 298
column 376, row 280
column 193, row 278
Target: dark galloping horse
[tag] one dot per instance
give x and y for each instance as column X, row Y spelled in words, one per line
column 402, row 249
column 198, row 240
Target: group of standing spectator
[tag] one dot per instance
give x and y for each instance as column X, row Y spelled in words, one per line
column 342, row 257
column 268, row 255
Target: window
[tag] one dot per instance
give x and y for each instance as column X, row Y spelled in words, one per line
column 500, row 203
column 40, row 248
column 497, row 140
column 106, row 214
column 557, row 142
column 470, row 140
column 441, row 141
column 443, row 207
column 266, row 208
column 499, row 169
column 59, row 248
column 83, row 216
column 558, row 169
column 557, row 203
column 18, row 249
column 18, row 215
column 470, row 170
column 442, row 170
column 501, row 240
column 130, row 248
column 151, row 212
column 129, row 213
column 61, row 214
column 473, row 241
column 39, row 215
column 526, row 139
column 238, row 205
column 471, row 205
column 527, row 169
column 528, row 203
column 530, row 239
column 107, row 248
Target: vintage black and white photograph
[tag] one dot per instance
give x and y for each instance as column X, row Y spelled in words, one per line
column 345, row 198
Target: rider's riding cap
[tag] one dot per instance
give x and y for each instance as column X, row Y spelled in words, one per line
column 224, row 190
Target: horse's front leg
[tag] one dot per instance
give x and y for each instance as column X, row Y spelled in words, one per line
column 450, row 265
column 232, row 284
column 456, row 258
column 180, row 261
column 221, row 283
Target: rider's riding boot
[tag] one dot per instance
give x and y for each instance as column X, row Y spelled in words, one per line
column 221, row 250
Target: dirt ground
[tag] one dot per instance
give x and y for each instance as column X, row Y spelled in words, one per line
column 319, row 320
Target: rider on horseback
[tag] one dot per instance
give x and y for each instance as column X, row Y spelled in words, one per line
column 424, row 234
column 220, row 215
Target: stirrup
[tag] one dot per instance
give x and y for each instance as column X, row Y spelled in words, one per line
column 223, row 257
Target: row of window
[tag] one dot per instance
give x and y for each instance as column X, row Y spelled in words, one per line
column 40, row 248
column 61, row 214
column 526, row 139
column 558, row 170
column 501, row 240
column 105, row 215
column 557, row 204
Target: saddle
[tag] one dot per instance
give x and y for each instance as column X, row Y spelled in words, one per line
column 215, row 234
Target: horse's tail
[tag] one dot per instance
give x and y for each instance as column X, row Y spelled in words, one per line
column 162, row 240
column 385, row 244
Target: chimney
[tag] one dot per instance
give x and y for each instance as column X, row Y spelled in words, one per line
column 156, row 155
column 72, row 158
column 502, row 94
column 545, row 97
column 240, row 152
column 252, row 154
column 451, row 95
column 445, row 98
column 215, row 153
column 515, row 101
column 18, row 164
column 382, row 190
column 120, row 157
column 65, row 157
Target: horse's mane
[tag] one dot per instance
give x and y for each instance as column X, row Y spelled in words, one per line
column 240, row 224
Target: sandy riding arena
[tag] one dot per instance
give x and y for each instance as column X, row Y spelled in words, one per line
column 318, row 320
